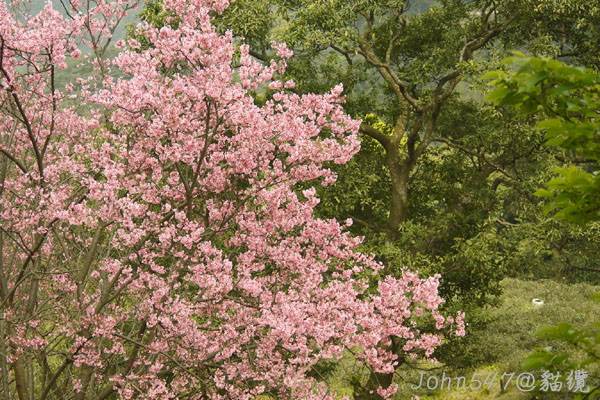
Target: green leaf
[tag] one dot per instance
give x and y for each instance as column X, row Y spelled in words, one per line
column 497, row 95
column 537, row 78
column 529, row 107
column 494, row 74
column 512, row 99
column 550, row 332
column 537, row 360
column 560, row 90
column 555, row 141
column 550, row 123
column 559, row 359
column 544, row 193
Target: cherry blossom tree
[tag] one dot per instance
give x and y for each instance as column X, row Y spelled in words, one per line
column 153, row 242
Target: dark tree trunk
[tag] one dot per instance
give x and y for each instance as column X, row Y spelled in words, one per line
column 399, row 173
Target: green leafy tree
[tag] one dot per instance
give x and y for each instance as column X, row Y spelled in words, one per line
column 569, row 98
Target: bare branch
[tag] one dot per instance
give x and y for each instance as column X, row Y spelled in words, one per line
column 14, row 160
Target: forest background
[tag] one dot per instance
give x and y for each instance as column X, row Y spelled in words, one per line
column 444, row 181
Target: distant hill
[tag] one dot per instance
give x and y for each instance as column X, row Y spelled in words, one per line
column 38, row 5
column 70, row 74
column 416, row 6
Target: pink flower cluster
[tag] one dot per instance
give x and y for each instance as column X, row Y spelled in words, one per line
column 154, row 240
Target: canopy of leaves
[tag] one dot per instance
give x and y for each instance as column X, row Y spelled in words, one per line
column 570, row 97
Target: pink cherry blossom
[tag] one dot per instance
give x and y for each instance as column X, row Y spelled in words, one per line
column 154, row 241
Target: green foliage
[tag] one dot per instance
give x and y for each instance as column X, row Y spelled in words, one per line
column 361, row 189
column 253, row 20
column 583, row 351
column 502, row 335
column 570, row 97
column 558, row 28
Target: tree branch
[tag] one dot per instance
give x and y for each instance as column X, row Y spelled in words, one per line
column 14, row 160
column 382, row 138
column 473, row 153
